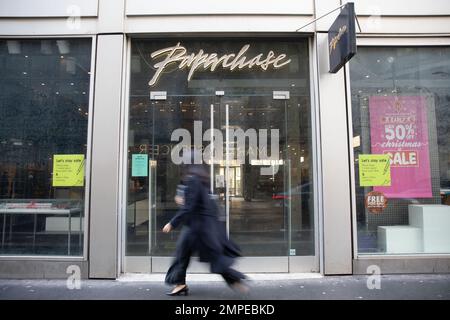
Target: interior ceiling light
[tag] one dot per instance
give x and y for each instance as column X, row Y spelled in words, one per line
column 46, row 47
column 70, row 65
column 63, row 46
column 13, row 46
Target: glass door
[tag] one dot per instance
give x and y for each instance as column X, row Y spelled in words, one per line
column 156, row 129
column 260, row 167
column 268, row 182
column 262, row 164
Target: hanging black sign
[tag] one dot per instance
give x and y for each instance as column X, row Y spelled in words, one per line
column 342, row 38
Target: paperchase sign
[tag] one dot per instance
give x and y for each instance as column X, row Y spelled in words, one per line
column 342, row 38
column 211, row 61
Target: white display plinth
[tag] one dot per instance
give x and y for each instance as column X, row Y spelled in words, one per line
column 434, row 223
column 56, row 224
column 399, row 239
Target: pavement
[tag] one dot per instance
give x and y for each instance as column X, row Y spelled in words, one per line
column 262, row 287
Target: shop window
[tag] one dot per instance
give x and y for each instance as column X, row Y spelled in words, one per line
column 44, row 105
column 401, row 143
column 268, row 214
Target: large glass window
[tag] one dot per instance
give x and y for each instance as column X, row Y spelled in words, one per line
column 401, row 128
column 268, row 214
column 44, row 103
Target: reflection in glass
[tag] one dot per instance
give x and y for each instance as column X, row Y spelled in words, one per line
column 44, row 104
column 268, row 215
column 401, row 95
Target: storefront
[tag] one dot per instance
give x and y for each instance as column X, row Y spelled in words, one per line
column 267, row 108
column 400, row 110
column 98, row 102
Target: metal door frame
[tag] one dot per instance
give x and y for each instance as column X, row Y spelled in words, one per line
column 267, row 264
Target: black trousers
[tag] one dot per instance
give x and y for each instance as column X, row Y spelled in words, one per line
column 219, row 264
column 183, row 252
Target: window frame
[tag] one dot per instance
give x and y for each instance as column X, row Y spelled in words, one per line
column 127, row 263
column 86, row 215
column 382, row 41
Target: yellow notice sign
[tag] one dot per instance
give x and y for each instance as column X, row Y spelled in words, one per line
column 374, row 170
column 68, row 170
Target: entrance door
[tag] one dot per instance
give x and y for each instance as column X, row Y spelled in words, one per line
column 269, row 200
column 260, row 169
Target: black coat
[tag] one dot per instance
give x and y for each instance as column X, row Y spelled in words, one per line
column 206, row 234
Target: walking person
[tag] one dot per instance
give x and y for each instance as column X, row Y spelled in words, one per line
column 201, row 233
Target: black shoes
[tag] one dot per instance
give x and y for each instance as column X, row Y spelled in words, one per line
column 184, row 290
column 240, row 287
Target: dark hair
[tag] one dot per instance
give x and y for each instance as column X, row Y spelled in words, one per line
column 199, row 170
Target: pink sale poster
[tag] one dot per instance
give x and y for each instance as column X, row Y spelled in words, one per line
column 399, row 128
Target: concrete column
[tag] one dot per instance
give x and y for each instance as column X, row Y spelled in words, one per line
column 111, row 16
column 322, row 8
column 104, row 209
column 337, row 236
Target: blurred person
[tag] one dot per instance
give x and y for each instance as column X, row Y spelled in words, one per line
column 202, row 232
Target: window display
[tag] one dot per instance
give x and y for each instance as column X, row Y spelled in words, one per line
column 401, row 109
column 44, row 109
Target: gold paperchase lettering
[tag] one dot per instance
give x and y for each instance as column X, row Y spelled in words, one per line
column 336, row 39
column 211, row 61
